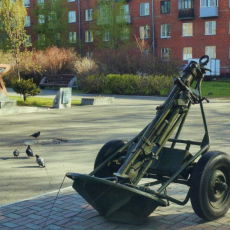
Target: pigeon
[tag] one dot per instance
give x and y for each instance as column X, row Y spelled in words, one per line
column 40, row 161
column 29, row 152
column 16, row 153
column 35, row 135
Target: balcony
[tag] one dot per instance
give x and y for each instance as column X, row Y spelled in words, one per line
column 211, row 11
column 185, row 14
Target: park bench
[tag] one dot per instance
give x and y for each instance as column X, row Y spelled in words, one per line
column 59, row 80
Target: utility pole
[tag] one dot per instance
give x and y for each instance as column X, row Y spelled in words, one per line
column 80, row 32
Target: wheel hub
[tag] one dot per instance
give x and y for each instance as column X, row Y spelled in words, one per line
column 217, row 188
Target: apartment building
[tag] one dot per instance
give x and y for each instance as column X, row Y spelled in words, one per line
column 179, row 29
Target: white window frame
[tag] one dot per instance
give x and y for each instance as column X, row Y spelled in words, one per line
column 210, row 28
column 41, row 19
column 40, row 2
column 88, row 15
column 106, row 37
column 229, row 52
column 27, row 22
column 229, row 26
column 187, row 53
column 187, row 29
column 57, row 36
column 210, row 51
column 166, row 53
column 144, row 9
column 185, row 4
column 72, row 16
column 164, row 31
column 144, row 32
column 124, row 10
column 27, row 3
column 41, row 39
column 72, row 37
column 125, row 34
column 88, row 36
column 208, row 3
column 89, row 54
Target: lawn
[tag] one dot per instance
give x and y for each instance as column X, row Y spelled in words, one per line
column 218, row 88
column 209, row 89
column 39, row 101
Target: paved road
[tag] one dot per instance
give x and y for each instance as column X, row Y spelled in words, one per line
column 86, row 128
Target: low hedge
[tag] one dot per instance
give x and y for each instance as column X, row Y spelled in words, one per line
column 128, row 84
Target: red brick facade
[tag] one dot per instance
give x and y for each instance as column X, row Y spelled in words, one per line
column 210, row 30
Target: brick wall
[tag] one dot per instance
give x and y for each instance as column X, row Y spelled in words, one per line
column 176, row 42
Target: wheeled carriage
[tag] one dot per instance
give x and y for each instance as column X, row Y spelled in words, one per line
column 113, row 188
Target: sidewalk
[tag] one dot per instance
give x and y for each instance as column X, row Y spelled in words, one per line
column 69, row 210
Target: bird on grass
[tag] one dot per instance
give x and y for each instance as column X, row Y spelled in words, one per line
column 35, row 135
column 40, row 161
column 29, row 152
column 16, row 153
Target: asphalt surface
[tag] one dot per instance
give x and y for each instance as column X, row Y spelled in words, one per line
column 83, row 130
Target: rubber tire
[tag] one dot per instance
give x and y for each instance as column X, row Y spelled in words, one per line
column 200, row 192
column 105, row 152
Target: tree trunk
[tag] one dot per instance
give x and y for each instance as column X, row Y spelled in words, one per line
column 17, row 64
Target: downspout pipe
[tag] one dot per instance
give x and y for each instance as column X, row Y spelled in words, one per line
column 80, row 29
column 153, row 34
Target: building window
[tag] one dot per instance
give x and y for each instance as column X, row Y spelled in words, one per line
column 185, row 4
column 144, row 32
column 40, row 2
column 187, row 53
column 89, row 55
column 72, row 16
column 208, row 3
column 229, row 25
column 41, row 18
column 210, row 51
column 125, row 34
column 72, row 37
column 27, row 22
column 165, row 7
column 166, row 31
column 41, row 39
column 187, row 29
column 165, row 53
column 27, row 3
column 210, row 28
column 28, row 41
column 106, row 37
column 88, row 15
column 71, row 0
column 144, row 9
column 124, row 10
column 88, row 36
column 57, row 37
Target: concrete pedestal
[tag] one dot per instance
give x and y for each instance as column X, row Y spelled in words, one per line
column 63, row 98
column 6, row 102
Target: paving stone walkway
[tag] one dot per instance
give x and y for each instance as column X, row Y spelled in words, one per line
column 70, row 211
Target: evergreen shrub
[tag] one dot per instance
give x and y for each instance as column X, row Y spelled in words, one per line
column 129, row 84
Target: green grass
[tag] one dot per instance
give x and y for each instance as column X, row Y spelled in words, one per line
column 218, row 88
column 39, row 101
column 209, row 89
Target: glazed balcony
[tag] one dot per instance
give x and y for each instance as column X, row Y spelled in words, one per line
column 209, row 11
